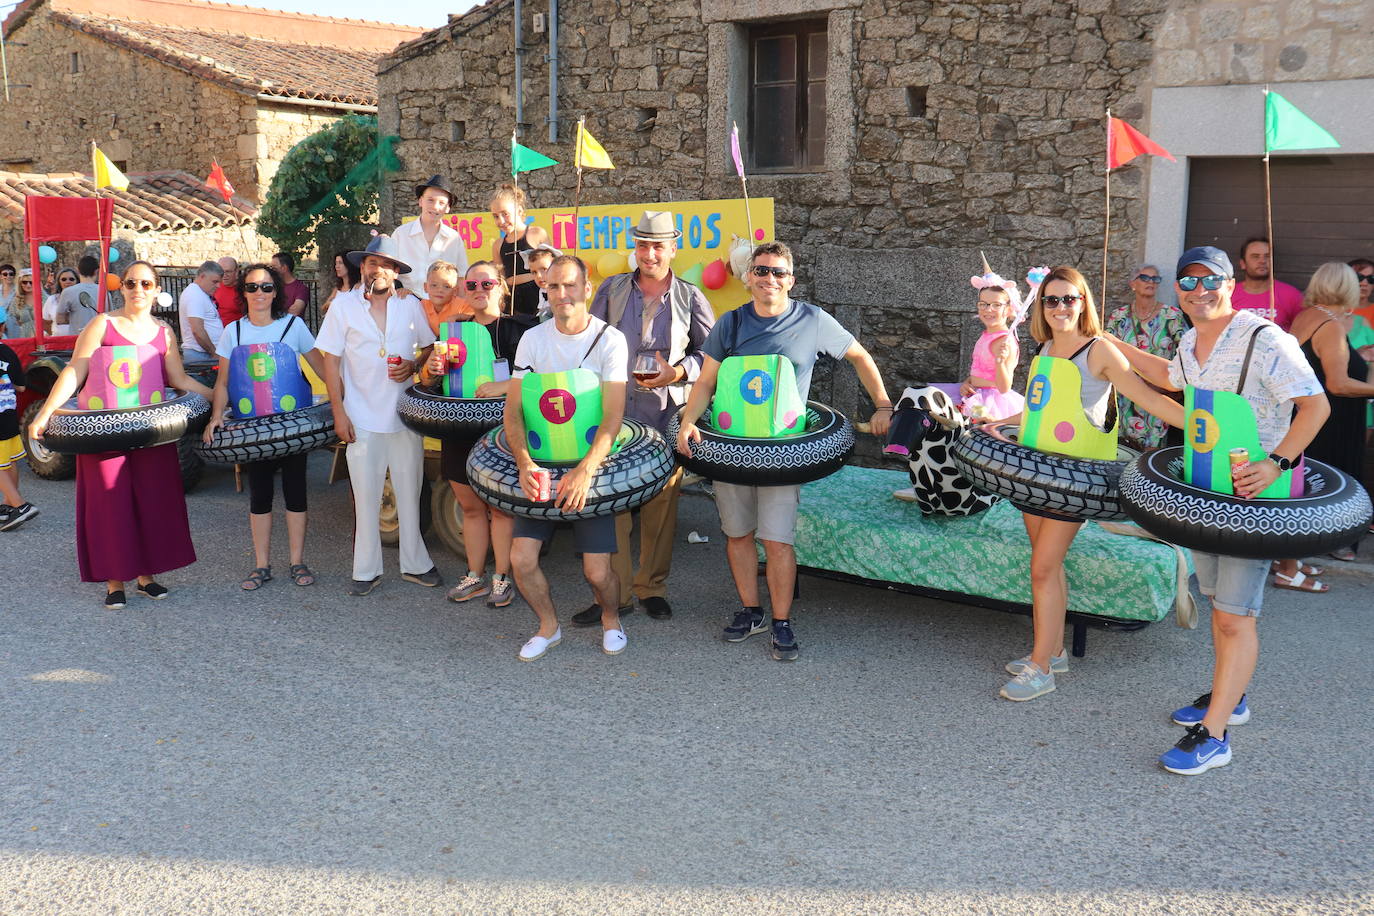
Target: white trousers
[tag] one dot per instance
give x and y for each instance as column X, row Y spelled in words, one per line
column 369, row 458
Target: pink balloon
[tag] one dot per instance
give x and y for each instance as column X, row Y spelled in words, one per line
column 715, row 274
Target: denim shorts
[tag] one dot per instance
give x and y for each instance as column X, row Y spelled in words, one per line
column 1234, row 586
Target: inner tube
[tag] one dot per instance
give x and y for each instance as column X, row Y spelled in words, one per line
column 1333, row 512
column 631, row 477
column 277, row 435
column 818, row 452
column 1041, row 482
column 431, row 414
column 73, row 431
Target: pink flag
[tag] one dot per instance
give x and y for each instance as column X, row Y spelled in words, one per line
column 734, row 149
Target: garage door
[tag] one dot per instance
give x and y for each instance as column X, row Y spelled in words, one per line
column 1323, row 208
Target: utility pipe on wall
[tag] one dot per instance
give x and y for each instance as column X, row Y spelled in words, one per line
column 553, row 70
column 519, row 70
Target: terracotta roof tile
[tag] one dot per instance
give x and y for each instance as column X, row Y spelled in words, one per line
column 155, row 201
column 248, row 64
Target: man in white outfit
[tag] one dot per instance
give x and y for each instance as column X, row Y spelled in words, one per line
column 372, row 340
column 423, row 241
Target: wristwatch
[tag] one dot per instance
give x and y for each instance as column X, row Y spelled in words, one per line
column 1283, row 463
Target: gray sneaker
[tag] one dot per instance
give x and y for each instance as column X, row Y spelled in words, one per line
column 468, row 587
column 1059, row 664
column 1029, row 684
column 428, row 579
column 502, row 591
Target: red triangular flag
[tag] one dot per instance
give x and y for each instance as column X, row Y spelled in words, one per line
column 219, row 182
column 1124, row 143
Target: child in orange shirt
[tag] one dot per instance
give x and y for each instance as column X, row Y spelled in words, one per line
column 444, row 303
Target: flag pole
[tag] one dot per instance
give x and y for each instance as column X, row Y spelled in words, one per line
column 744, row 186
column 577, row 195
column 1269, row 214
column 1106, row 222
column 514, row 175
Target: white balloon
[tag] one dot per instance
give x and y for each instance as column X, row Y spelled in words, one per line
column 164, row 299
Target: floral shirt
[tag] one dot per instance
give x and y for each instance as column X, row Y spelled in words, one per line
column 1158, row 335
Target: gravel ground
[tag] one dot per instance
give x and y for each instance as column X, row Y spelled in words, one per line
column 298, row 751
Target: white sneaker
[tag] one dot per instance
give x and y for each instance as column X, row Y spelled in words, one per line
column 613, row 642
column 907, row 496
column 538, row 646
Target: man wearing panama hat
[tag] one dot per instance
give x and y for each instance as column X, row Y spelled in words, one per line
column 372, row 340
column 425, row 240
column 665, row 320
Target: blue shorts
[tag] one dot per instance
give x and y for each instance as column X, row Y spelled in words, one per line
column 591, row 535
column 1234, row 586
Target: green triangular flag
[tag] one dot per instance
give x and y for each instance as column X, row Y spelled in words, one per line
column 524, row 159
column 1285, row 127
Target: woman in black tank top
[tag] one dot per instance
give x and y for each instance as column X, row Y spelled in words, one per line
column 508, row 212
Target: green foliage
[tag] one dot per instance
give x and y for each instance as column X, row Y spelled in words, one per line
column 332, row 176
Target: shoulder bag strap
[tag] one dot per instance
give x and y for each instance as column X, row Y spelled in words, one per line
column 1249, row 352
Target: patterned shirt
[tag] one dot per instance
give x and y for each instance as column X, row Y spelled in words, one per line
column 1278, row 372
column 1158, row 335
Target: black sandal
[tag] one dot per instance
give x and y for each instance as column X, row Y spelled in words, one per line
column 257, row 579
column 300, row 571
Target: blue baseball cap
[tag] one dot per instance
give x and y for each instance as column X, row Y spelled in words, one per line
column 1206, row 255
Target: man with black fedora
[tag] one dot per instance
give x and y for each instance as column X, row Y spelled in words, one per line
column 665, row 320
column 372, row 340
column 423, row 241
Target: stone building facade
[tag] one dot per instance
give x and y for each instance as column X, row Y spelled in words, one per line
column 949, row 129
column 173, row 84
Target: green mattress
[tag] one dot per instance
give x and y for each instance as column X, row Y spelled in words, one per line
column 850, row 523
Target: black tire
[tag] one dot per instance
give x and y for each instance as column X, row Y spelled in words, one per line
column 448, row 518
column 1075, row 488
column 1334, row 513
column 389, row 521
column 278, row 435
column 43, row 461
column 816, row 453
column 192, row 465
column 86, row 432
column 629, row 478
column 431, row 414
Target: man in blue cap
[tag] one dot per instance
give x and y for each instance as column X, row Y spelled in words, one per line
column 1240, row 363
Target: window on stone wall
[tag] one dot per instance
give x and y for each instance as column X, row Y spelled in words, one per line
column 787, row 66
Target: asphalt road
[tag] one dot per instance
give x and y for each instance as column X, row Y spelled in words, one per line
column 298, row 751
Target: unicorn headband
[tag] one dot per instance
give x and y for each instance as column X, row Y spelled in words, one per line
column 991, row 280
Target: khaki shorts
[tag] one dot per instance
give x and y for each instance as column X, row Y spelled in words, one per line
column 768, row 512
column 11, row 450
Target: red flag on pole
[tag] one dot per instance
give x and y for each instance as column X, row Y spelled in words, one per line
column 1124, row 143
column 219, row 182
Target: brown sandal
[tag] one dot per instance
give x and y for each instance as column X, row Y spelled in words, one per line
column 1299, row 582
column 1307, row 569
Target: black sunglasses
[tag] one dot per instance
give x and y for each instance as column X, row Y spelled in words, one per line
column 487, row 285
column 1209, row 282
column 1146, row 278
column 1366, row 278
column 1053, row 302
column 259, row 287
column 759, row 270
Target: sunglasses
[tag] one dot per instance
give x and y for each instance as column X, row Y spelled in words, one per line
column 1053, row 302
column 1147, row 278
column 1366, row 278
column 6, row 273
column 1209, row 282
column 486, row 285
column 135, row 284
column 760, row 271
column 259, row 287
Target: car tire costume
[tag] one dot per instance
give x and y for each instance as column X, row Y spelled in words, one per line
column 819, row 451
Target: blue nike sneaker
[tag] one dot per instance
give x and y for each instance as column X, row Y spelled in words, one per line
column 1197, row 752
column 1197, row 711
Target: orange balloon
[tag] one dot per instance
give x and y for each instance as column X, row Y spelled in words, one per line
column 111, row 282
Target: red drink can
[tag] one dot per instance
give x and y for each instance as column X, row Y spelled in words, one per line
column 394, row 362
column 544, row 481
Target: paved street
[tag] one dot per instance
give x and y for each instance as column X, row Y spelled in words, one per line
column 297, row 751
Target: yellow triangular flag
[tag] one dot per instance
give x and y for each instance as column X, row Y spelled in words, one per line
column 106, row 175
column 590, row 154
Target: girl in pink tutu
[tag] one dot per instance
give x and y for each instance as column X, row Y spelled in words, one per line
column 987, row 390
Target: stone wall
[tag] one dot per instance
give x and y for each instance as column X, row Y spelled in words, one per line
column 167, row 248
column 1007, row 157
column 138, row 110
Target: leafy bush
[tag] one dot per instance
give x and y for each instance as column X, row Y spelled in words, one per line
column 332, row 176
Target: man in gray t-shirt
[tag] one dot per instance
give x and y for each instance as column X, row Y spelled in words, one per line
column 77, row 304
column 772, row 323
